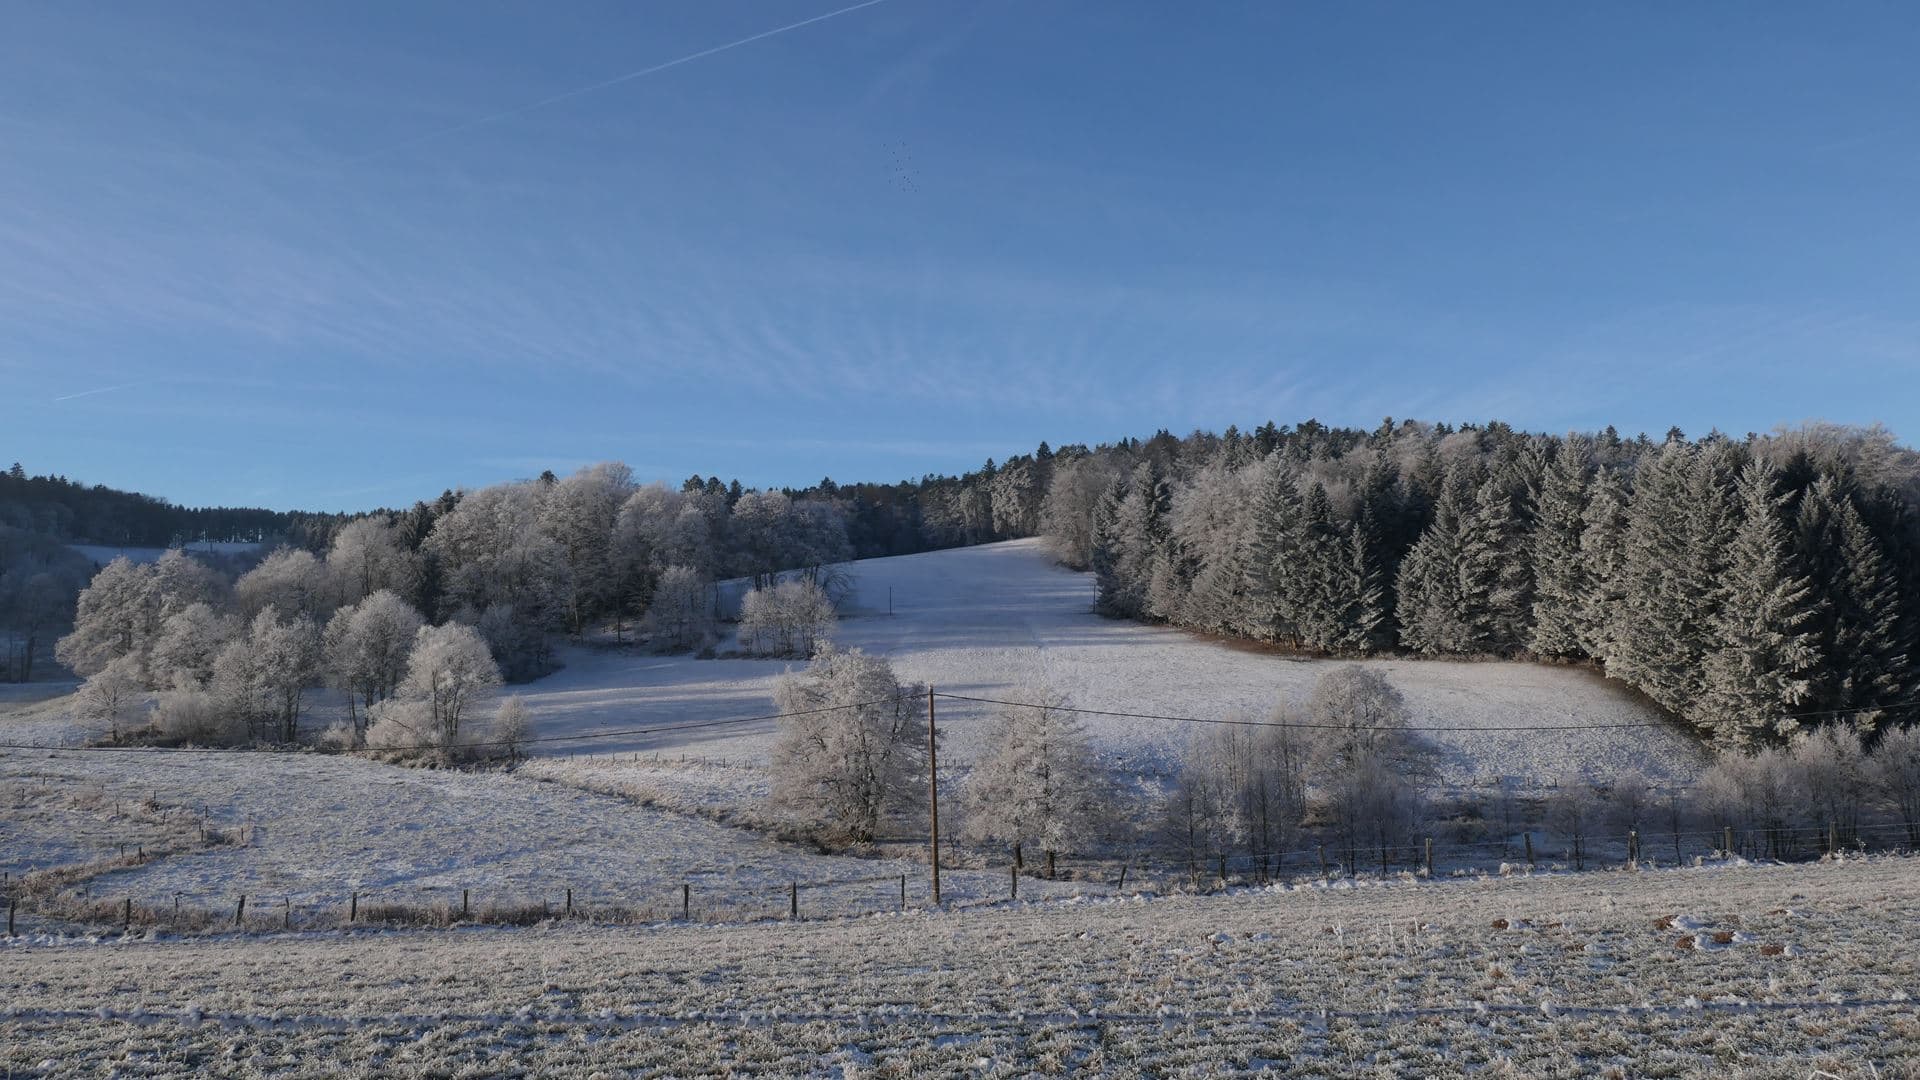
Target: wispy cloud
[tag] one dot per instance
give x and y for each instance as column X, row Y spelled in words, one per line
column 607, row 84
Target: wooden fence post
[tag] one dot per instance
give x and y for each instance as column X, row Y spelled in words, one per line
column 353, row 909
column 1429, row 858
column 126, row 917
column 1013, row 876
column 686, row 902
column 463, row 903
column 1322, row 848
column 793, row 900
column 1726, row 842
column 240, row 911
column 569, row 902
column 1124, row 867
column 11, row 905
column 286, row 912
column 1529, row 836
column 1633, row 848
column 903, row 892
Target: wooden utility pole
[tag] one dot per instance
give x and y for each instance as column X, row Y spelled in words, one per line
column 933, row 796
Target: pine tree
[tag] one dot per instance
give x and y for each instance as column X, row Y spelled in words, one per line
column 1431, row 599
column 1763, row 659
column 1560, row 578
column 1320, row 589
column 1272, row 545
column 1140, row 533
column 1655, row 643
column 1603, row 552
column 1363, row 622
column 1867, row 666
column 1495, row 585
column 1104, row 550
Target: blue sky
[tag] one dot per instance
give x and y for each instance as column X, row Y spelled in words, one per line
column 278, row 254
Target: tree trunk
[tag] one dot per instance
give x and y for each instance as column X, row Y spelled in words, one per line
column 1049, row 866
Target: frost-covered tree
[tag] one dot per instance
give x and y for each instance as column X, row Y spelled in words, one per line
column 511, row 729
column 1370, row 768
column 285, row 662
column 1755, row 793
column 117, row 615
column 680, row 616
column 1763, row 657
column 449, row 671
column 1654, row 637
column 108, row 696
column 1440, row 610
column 1201, row 816
column 1271, row 552
column 792, row 618
column 579, row 514
column 1561, row 584
column 1039, row 785
column 369, row 555
column 1603, row 551
column 1211, row 520
column 490, row 550
column 1894, row 769
column 1137, row 536
column 1632, row 803
column 1575, row 810
column 1066, row 516
column 851, row 754
column 365, row 649
column 1859, row 629
column 1832, row 774
column 260, row 677
column 189, row 642
column 290, row 581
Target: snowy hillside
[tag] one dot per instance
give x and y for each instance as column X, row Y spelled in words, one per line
column 986, row 620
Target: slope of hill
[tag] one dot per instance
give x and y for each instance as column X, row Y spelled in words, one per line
column 987, row 620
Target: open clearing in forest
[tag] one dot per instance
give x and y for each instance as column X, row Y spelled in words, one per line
column 1751, row 971
column 987, row 620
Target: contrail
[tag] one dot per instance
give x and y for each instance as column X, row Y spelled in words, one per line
column 615, row 81
column 107, row 389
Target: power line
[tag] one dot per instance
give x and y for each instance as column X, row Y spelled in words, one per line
column 1893, row 707
column 1297, row 724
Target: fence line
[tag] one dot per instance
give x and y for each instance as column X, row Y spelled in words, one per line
column 82, row 903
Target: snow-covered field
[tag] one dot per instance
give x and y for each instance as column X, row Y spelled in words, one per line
column 986, row 620
column 106, row 553
column 316, row 829
column 1759, row 972
column 632, row 818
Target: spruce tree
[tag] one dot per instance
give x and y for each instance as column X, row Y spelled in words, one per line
column 1320, row 589
column 1763, row 658
column 1654, row 640
column 1859, row 629
column 1273, row 545
column 1104, row 549
column 1603, row 553
column 1495, row 584
column 1561, row 585
column 1363, row 623
column 1432, row 600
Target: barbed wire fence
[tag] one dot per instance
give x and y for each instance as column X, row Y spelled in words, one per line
column 66, row 893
